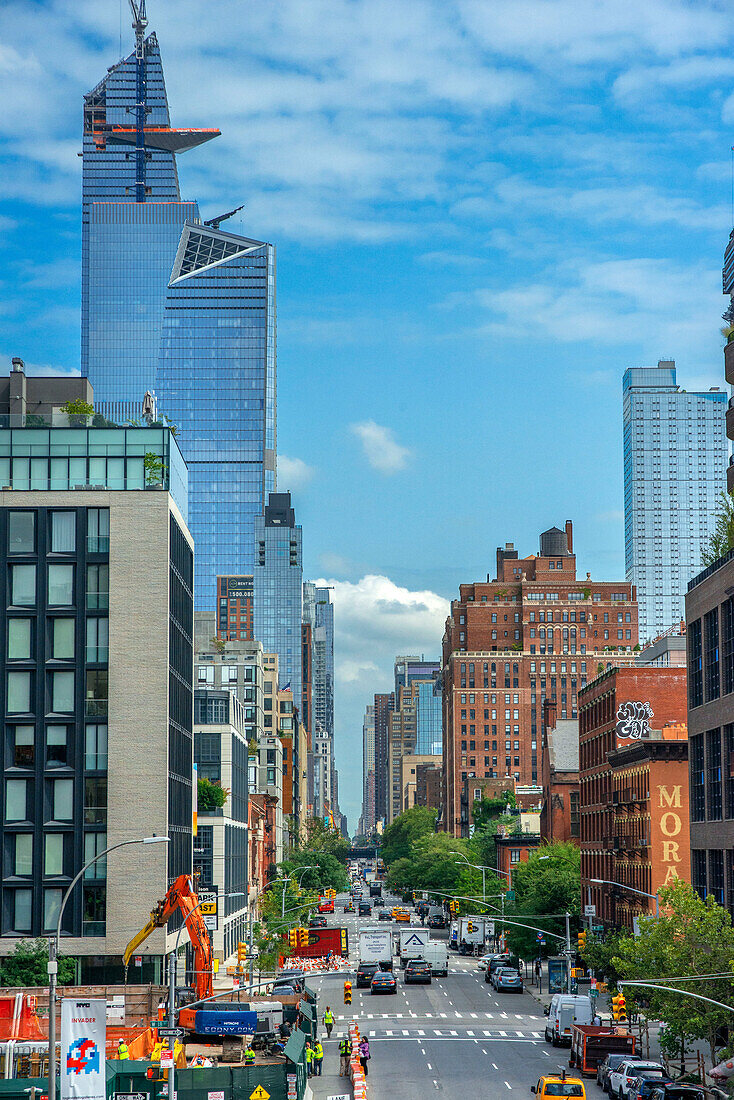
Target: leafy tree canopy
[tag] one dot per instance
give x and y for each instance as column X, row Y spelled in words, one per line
column 325, row 870
column 322, row 838
column 546, row 887
column 210, row 796
column 722, row 539
column 403, row 833
column 27, row 964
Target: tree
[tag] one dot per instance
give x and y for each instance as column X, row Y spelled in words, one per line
column 322, row 838
column 326, row 870
column 488, row 810
column 405, row 831
column 77, row 407
column 691, row 936
column 153, row 467
column 27, row 964
column 210, row 796
column 722, row 539
column 600, row 954
column 546, row 887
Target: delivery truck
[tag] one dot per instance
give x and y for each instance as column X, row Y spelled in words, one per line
column 591, row 1043
column 375, row 946
column 471, row 935
column 436, row 953
column 412, row 944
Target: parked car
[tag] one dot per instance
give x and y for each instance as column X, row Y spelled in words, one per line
column 378, row 902
column 624, row 1076
column 558, row 1085
column 673, row 1091
column 645, row 1085
column 495, row 962
column 605, row 1067
column 508, row 981
column 436, row 921
column 417, row 970
column 384, row 982
column 385, row 914
column 365, row 973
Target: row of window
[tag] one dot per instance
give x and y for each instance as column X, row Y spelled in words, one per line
column 21, row 746
column 60, row 692
column 60, row 639
column 22, row 538
column 58, row 800
column 60, row 586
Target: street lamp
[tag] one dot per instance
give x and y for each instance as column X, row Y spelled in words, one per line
column 632, row 890
column 53, row 952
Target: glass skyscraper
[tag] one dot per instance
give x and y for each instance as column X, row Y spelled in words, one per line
column 675, row 459
column 278, row 588
column 429, row 741
column 182, row 309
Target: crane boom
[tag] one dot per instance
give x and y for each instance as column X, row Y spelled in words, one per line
column 140, row 22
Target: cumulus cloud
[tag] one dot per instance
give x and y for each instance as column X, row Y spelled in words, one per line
column 381, row 448
column 294, row 473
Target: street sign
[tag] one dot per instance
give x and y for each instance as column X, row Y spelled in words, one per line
column 138, row 960
column 259, row 1093
column 171, row 1032
column 166, row 1059
column 510, row 895
column 132, row 1096
column 208, row 907
column 589, row 910
column 235, row 983
column 597, row 928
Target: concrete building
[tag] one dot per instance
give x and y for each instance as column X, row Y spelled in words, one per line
column 384, row 705
column 221, row 842
column 560, row 817
column 322, row 773
column 675, row 461
column 278, row 588
column 667, row 650
column 402, row 735
column 238, row 667
column 536, row 631
column 620, row 707
column 36, row 402
column 97, row 686
column 409, row 776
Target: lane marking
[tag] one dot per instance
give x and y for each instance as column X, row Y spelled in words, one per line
column 508, row 1085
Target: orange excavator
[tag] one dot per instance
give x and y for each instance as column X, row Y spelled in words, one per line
column 181, row 898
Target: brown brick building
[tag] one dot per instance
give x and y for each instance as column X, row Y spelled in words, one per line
column 534, row 632
column 234, row 608
column 623, row 841
column 428, row 786
column 560, row 814
column 384, row 706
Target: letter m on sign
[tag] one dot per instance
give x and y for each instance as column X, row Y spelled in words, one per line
column 667, row 797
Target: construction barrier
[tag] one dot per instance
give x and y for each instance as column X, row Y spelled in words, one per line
column 359, row 1084
column 319, row 965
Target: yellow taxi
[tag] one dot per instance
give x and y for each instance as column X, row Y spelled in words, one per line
column 559, row 1085
column 401, row 914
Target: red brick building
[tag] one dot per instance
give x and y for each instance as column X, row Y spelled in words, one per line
column 513, row 849
column 428, row 786
column 234, row 608
column 622, row 713
column 534, row 632
column 559, row 766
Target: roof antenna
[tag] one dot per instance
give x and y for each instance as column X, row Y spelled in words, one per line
column 140, row 22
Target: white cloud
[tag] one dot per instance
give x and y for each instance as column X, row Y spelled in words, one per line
column 382, row 450
column 293, row 473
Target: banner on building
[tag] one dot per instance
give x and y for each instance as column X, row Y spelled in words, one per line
column 195, row 800
column 83, row 1033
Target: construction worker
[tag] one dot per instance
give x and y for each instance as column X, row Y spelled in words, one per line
column 249, row 1057
column 345, row 1053
column 328, row 1021
column 309, row 1058
column 122, row 1052
column 318, row 1058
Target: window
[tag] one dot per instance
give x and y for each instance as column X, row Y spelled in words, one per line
column 62, row 639
column 95, row 910
column 53, row 856
column 575, row 814
column 98, row 641
column 514, row 855
column 16, row 799
column 51, row 905
column 711, row 632
column 21, row 905
column 695, row 677
column 19, row 639
column 94, row 843
column 95, row 800
column 716, row 874
column 23, row 585
column 63, row 532
column 96, row 693
column 95, row 748
column 23, row 864
column 713, row 769
column 698, row 871
column 19, row 692
column 698, row 795
column 727, row 646
column 98, row 587
column 22, row 754
column 63, row 799
column 21, row 532
column 62, row 692
column 98, row 530
column 56, row 748
column 60, row 585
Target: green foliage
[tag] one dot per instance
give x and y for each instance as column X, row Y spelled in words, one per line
column 326, row 870
column 217, row 643
column 722, row 539
column 436, row 865
column 600, row 954
column 691, row 936
column 210, row 796
column 77, row 407
column 549, row 883
column 153, row 466
column 405, row 831
column 488, row 810
column 322, row 838
column 27, row 965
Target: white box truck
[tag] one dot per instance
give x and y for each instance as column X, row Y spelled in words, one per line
column 436, row 953
column 412, row 943
column 375, row 946
column 471, row 935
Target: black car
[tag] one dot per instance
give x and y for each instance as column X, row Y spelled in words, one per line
column 378, row 902
column 364, row 909
column 672, row 1091
column 384, row 982
column 604, row 1068
column 317, row 922
column 417, row 970
column 644, row 1086
column 385, row 914
column 496, row 962
column 365, row 974
column 436, row 921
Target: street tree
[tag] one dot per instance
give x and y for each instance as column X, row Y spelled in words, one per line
column 546, row 887
column 27, row 964
column 325, row 870
column 322, row 838
column 405, row 831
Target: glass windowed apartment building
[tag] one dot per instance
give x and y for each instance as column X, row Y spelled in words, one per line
column 675, row 459
column 182, row 309
column 278, row 588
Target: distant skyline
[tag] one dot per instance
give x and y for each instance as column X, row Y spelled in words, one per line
column 484, row 213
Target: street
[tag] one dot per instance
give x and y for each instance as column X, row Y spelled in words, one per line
column 456, row 1036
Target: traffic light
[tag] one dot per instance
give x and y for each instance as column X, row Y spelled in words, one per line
column 469, row 926
column 241, row 952
column 347, row 993
column 303, row 937
column 293, row 938
column 581, row 942
column 619, row 1008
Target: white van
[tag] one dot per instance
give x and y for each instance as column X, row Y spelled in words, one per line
column 564, row 1011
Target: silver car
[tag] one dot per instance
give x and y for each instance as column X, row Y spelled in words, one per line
column 507, row 981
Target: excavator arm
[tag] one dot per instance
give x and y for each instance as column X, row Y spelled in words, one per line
column 181, row 898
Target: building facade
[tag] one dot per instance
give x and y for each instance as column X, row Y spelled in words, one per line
column 621, row 706
column 278, row 588
column 384, row 705
column 409, row 765
column 428, row 787
column 177, row 307
column 368, row 770
column 536, row 631
column 560, row 817
column 429, row 733
column 675, row 460
column 98, row 596
column 234, row 608
column 402, row 734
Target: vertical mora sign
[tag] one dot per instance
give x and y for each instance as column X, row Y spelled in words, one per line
column 83, row 1033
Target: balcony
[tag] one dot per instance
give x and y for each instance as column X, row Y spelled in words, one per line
column 730, row 474
column 730, row 417
column 729, row 362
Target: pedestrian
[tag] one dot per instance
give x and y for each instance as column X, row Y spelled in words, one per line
column 364, row 1053
column 345, row 1053
column 122, row 1052
column 309, row 1058
column 249, row 1057
column 318, row 1058
column 328, row 1021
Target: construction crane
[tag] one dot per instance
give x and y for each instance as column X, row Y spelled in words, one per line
column 216, row 222
column 181, row 898
column 140, row 22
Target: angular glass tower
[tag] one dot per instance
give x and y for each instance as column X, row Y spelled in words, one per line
column 675, row 459
column 277, row 610
column 179, row 308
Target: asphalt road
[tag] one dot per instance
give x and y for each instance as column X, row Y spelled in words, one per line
column 456, row 1036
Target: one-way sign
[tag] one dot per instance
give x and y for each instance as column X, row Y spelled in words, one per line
column 171, row 1032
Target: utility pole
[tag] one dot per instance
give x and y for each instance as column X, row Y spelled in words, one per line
column 53, row 969
column 172, row 1023
column 568, row 952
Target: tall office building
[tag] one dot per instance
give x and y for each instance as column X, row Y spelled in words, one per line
column 368, row 770
column 180, row 308
column 409, row 669
column 278, row 588
column 429, row 716
column 323, row 660
column 675, row 460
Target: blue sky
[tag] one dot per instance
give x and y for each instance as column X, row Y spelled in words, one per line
column 485, row 210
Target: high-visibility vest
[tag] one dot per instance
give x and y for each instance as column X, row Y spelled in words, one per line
column 345, row 1046
column 318, row 1050
column 122, row 1052
column 309, row 1054
column 249, row 1057
column 328, row 1016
